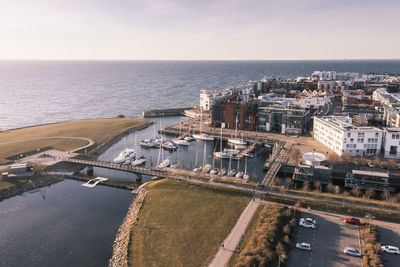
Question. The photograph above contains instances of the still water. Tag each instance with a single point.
(62, 225)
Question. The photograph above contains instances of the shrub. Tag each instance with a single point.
(370, 246)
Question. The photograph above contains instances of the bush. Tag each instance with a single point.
(270, 239)
(370, 246)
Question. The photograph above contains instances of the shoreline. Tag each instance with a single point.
(120, 245)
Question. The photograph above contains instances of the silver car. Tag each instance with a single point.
(352, 252)
(390, 249)
(303, 246)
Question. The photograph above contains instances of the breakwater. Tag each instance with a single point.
(164, 112)
(121, 242)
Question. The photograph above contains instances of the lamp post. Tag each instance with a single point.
(370, 217)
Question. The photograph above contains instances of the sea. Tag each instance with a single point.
(39, 92)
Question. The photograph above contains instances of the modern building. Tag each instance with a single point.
(391, 143)
(343, 137)
(378, 181)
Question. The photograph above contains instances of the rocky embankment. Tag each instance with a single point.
(120, 246)
(35, 183)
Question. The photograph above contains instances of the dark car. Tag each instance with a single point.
(352, 221)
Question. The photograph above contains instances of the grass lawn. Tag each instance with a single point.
(99, 130)
(182, 224)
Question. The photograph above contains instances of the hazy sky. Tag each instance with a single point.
(199, 29)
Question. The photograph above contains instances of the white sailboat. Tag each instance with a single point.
(235, 141)
(202, 136)
(231, 172)
(206, 166)
(139, 161)
(239, 174)
(165, 163)
(126, 156)
(245, 174)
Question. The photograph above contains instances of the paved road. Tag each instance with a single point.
(231, 242)
(389, 234)
(327, 242)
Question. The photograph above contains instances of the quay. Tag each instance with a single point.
(164, 112)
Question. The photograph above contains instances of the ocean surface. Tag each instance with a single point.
(37, 92)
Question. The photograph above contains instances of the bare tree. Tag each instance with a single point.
(306, 186)
(356, 191)
(362, 160)
(318, 187)
(333, 158)
(398, 198)
(377, 161)
(347, 158)
(337, 189)
(369, 193)
(288, 182)
(294, 155)
(392, 164)
(331, 188)
(386, 195)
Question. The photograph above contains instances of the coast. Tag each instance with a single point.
(120, 247)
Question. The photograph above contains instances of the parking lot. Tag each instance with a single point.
(327, 242)
(389, 234)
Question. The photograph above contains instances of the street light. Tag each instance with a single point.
(370, 217)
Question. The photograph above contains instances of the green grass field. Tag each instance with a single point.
(99, 130)
(182, 224)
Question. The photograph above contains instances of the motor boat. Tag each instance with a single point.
(138, 161)
(246, 176)
(181, 142)
(165, 163)
(126, 156)
(170, 146)
(222, 172)
(197, 169)
(203, 137)
(188, 138)
(237, 142)
(147, 143)
(207, 168)
(226, 154)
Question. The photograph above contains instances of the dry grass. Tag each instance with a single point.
(370, 246)
(270, 238)
(182, 224)
(99, 130)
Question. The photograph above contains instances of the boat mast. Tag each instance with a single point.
(204, 155)
(245, 167)
(238, 166)
(220, 145)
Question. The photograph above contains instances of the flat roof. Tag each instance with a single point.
(371, 173)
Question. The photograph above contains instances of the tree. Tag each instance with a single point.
(306, 186)
(337, 189)
(333, 158)
(318, 187)
(392, 164)
(330, 188)
(386, 195)
(377, 161)
(356, 191)
(362, 161)
(347, 158)
(294, 155)
(369, 193)
(288, 182)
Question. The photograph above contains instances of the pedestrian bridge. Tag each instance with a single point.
(119, 167)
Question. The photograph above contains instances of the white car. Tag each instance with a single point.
(309, 220)
(352, 252)
(304, 246)
(306, 224)
(390, 249)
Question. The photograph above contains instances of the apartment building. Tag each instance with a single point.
(391, 143)
(343, 137)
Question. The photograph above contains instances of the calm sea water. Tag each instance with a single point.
(36, 92)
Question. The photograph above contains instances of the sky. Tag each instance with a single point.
(199, 29)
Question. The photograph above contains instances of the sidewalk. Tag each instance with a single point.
(230, 243)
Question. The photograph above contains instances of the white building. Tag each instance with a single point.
(339, 134)
(207, 98)
(391, 143)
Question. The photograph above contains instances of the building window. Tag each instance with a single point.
(348, 134)
(393, 150)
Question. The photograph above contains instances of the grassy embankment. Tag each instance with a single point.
(100, 131)
(183, 224)
(371, 248)
(268, 236)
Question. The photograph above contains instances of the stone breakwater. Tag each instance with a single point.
(120, 246)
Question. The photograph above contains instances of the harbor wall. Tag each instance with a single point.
(164, 112)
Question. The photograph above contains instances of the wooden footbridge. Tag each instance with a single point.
(119, 167)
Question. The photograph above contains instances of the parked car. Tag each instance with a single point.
(352, 221)
(307, 224)
(352, 252)
(303, 246)
(309, 220)
(390, 249)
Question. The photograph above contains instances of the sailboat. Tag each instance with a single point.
(239, 174)
(235, 141)
(231, 172)
(197, 168)
(126, 156)
(213, 169)
(206, 166)
(180, 141)
(202, 136)
(226, 153)
(141, 159)
(246, 175)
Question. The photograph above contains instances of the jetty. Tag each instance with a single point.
(164, 112)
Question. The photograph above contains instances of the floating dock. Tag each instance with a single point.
(93, 182)
(164, 112)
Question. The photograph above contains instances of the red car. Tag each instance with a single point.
(352, 221)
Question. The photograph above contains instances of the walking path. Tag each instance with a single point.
(230, 243)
